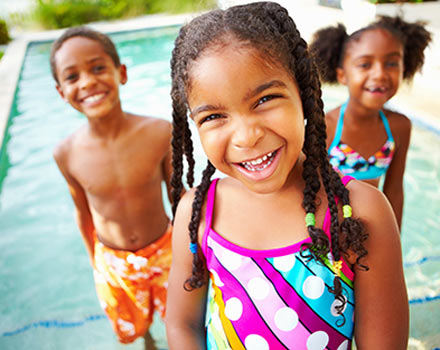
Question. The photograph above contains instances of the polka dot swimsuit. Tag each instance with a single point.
(272, 299)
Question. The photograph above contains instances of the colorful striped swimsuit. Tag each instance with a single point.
(272, 299)
(347, 161)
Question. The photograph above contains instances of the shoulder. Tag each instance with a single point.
(331, 120)
(183, 216)
(372, 207)
(399, 123)
(158, 126)
(332, 116)
(62, 150)
(153, 131)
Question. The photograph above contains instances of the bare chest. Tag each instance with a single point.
(109, 171)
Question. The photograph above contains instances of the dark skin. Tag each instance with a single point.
(115, 165)
(372, 71)
(239, 121)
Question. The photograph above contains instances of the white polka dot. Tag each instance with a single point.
(343, 346)
(335, 303)
(313, 287)
(258, 288)
(233, 309)
(284, 263)
(230, 260)
(317, 341)
(286, 319)
(218, 282)
(256, 342)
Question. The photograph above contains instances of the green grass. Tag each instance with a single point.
(53, 14)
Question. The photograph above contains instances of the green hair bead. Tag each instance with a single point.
(310, 219)
(346, 209)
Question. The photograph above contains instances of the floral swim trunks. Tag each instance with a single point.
(132, 285)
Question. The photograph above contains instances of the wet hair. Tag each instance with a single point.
(266, 27)
(330, 44)
(85, 32)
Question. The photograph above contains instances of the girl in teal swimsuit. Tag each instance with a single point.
(271, 255)
(364, 140)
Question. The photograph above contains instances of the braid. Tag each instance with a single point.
(197, 278)
(177, 164)
(188, 147)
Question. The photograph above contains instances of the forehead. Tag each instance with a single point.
(240, 62)
(77, 50)
(375, 41)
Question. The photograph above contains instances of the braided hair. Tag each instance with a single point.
(267, 27)
(330, 44)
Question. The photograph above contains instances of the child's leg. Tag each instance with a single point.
(149, 341)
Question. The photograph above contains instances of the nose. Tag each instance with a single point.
(86, 80)
(378, 70)
(246, 133)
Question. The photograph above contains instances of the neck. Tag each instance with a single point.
(108, 126)
(357, 113)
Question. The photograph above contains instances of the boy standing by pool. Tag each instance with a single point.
(114, 167)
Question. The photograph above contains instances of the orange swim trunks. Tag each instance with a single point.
(132, 285)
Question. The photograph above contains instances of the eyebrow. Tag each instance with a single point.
(259, 89)
(252, 93)
(90, 61)
(395, 53)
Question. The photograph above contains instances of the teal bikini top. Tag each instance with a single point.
(349, 162)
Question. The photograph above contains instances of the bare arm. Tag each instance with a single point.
(82, 211)
(185, 309)
(382, 310)
(393, 186)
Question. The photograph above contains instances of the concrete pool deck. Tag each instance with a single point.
(420, 100)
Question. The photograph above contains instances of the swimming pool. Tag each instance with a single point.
(48, 297)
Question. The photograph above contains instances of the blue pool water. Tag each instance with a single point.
(47, 293)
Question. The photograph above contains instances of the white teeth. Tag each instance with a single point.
(259, 160)
(250, 165)
(93, 98)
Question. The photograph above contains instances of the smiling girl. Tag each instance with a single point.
(270, 256)
(365, 140)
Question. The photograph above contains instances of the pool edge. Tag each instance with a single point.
(12, 60)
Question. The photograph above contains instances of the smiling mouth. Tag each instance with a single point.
(93, 98)
(261, 163)
(380, 89)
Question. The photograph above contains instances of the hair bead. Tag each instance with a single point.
(310, 219)
(346, 209)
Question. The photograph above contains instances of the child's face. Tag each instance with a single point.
(249, 116)
(88, 78)
(372, 68)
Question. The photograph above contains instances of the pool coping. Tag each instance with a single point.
(12, 61)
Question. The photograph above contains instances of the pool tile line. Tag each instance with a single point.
(55, 324)
(421, 261)
(92, 318)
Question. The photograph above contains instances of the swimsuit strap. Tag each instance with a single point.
(339, 126)
(386, 125)
(210, 199)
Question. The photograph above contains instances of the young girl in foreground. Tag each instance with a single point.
(365, 140)
(287, 262)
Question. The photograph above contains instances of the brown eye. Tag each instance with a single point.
(209, 118)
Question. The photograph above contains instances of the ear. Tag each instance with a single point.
(60, 91)
(340, 75)
(123, 74)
